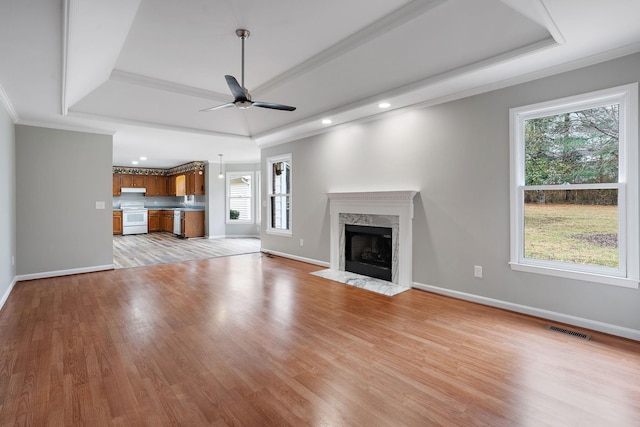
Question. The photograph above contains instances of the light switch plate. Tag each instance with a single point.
(99, 205)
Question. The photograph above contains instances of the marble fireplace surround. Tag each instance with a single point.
(392, 209)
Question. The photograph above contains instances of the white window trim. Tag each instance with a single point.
(627, 275)
(229, 177)
(269, 229)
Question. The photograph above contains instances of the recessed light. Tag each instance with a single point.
(326, 121)
(384, 105)
(143, 158)
(135, 162)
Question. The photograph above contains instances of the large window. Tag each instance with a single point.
(574, 187)
(279, 195)
(240, 197)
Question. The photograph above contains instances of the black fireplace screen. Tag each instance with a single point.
(368, 251)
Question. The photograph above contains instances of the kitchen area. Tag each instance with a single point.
(149, 200)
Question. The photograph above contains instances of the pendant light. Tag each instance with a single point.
(220, 175)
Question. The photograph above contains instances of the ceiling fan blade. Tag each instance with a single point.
(236, 90)
(220, 107)
(273, 106)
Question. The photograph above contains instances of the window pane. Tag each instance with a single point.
(240, 209)
(574, 226)
(240, 186)
(280, 212)
(575, 148)
(281, 177)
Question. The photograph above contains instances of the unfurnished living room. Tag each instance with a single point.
(433, 207)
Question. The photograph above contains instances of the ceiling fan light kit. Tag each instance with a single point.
(242, 97)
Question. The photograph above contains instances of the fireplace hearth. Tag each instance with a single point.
(369, 251)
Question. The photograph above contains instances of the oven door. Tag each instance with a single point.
(134, 221)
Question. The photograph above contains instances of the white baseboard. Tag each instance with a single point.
(595, 325)
(6, 294)
(297, 258)
(57, 273)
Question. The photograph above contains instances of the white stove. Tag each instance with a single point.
(134, 218)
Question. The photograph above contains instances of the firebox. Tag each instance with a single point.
(368, 251)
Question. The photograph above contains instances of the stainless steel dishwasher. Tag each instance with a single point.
(176, 222)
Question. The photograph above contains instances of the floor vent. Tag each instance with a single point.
(569, 332)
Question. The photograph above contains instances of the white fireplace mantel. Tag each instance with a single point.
(395, 203)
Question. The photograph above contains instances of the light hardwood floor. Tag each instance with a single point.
(161, 248)
(252, 340)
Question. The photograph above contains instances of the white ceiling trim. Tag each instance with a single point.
(307, 128)
(398, 17)
(4, 98)
(163, 85)
(153, 125)
(395, 96)
(549, 22)
(67, 127)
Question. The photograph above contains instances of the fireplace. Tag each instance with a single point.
(369, 251)
(391, 210)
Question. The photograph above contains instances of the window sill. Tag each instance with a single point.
(284, 233)
(576, 275)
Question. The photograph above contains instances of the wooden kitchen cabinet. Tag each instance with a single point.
(195, 182)
(154, 221)
(117, 222)
(151, 184)
(138, 181)
(192, 223)
(128, 180)
(116, 185)
(167, 221)
(181, 185)
(190, 187)
(171, 185)
(161, 182)
(199, 182)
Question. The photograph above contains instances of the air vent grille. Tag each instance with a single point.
(569, 332)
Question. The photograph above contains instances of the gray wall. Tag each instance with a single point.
(214, 220)
(60, 175)
(7, 202)
(457, 156)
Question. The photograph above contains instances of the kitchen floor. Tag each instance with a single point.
(136, 250)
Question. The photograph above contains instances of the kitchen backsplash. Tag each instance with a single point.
(159, 202)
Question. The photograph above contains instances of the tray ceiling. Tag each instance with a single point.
(143, 69)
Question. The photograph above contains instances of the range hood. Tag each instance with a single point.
(133, 190)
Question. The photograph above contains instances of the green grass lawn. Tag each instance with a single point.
(582, 234)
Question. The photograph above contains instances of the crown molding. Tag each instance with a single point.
(157, 125)
(4, 99)
(59, 126)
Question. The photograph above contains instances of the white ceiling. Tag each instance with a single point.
(142, 69)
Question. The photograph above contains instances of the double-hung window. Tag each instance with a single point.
(574, 187)
(279, 195)
(240, 197)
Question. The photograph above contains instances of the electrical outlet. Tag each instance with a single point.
(13, 261)
(477, 271)
(301, 242)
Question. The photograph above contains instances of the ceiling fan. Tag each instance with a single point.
(242, 98)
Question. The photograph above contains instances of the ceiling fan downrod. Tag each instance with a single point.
(243, 34)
